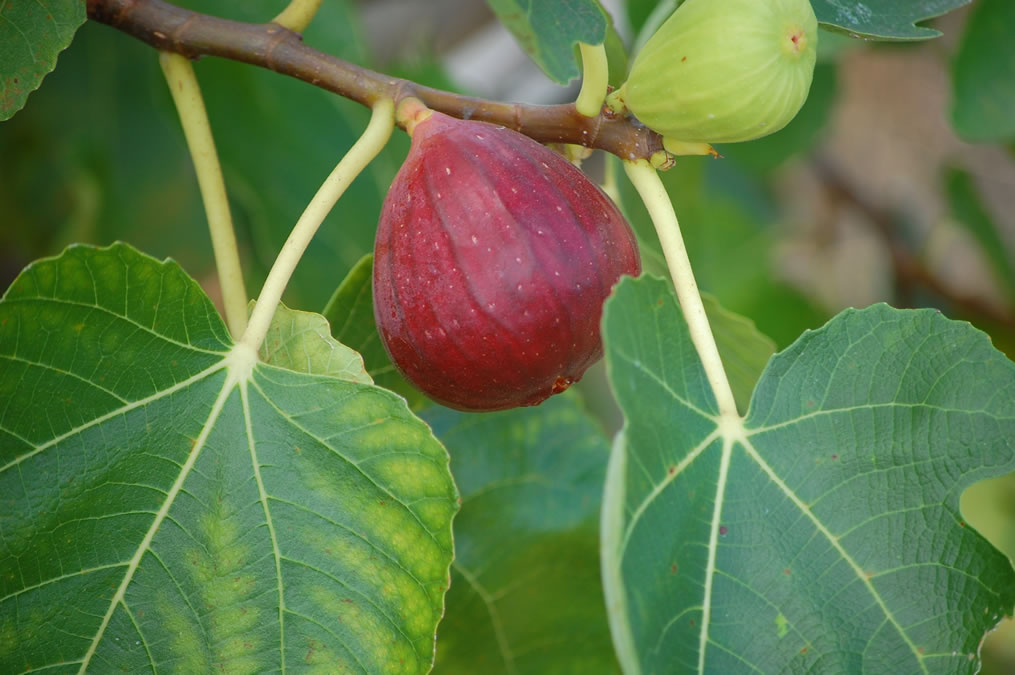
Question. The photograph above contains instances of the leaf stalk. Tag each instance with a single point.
(186, 94)
(595, 79)
(646, 181)
(297, 15)
(373, 140)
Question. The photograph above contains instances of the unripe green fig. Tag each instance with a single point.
(722, 71)
(493, 258)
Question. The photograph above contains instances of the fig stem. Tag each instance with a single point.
(409, 112)
(369, 145)
(189, 103)
(595, 79)
(297, 15)
(646, 181)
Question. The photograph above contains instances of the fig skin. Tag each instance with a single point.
(493, 258)
(724, 71)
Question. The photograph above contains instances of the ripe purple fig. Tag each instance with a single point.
(492, 261)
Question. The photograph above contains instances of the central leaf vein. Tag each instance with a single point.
(263, 496)
(228, 386)
(713, 547)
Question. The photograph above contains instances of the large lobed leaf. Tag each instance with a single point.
(32, 35)
(983, 74)
(167, 509)
(824, 533)
(525, 593)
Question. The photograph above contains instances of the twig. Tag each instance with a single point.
(170, 28)
(909, 270)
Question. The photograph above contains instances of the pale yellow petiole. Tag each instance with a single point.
(187, 96)
(660, 209)
(373, 140)
(297, 14)
(595, 78)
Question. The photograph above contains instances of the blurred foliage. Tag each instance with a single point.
(115, 169)
(970, 213)
(726, 217)
(983, 82)
(118, 167)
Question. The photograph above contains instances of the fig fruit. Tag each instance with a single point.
(493, 258)
(722, 71)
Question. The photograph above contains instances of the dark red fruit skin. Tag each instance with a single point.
(493, 258)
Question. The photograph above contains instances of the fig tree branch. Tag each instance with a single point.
(174, 29)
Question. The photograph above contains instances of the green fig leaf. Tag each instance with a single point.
(893, 20)
(32, 35)
(302, 341)
(983, 74)
(526, 595)
(170, 504)
(823, 533)
(351, 315)
(548, 31)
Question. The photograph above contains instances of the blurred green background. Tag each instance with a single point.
(895, 183)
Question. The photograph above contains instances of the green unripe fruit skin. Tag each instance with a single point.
(722, 71)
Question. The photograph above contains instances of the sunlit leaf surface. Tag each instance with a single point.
(983, 74)
(302, 341)
(170, 506)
